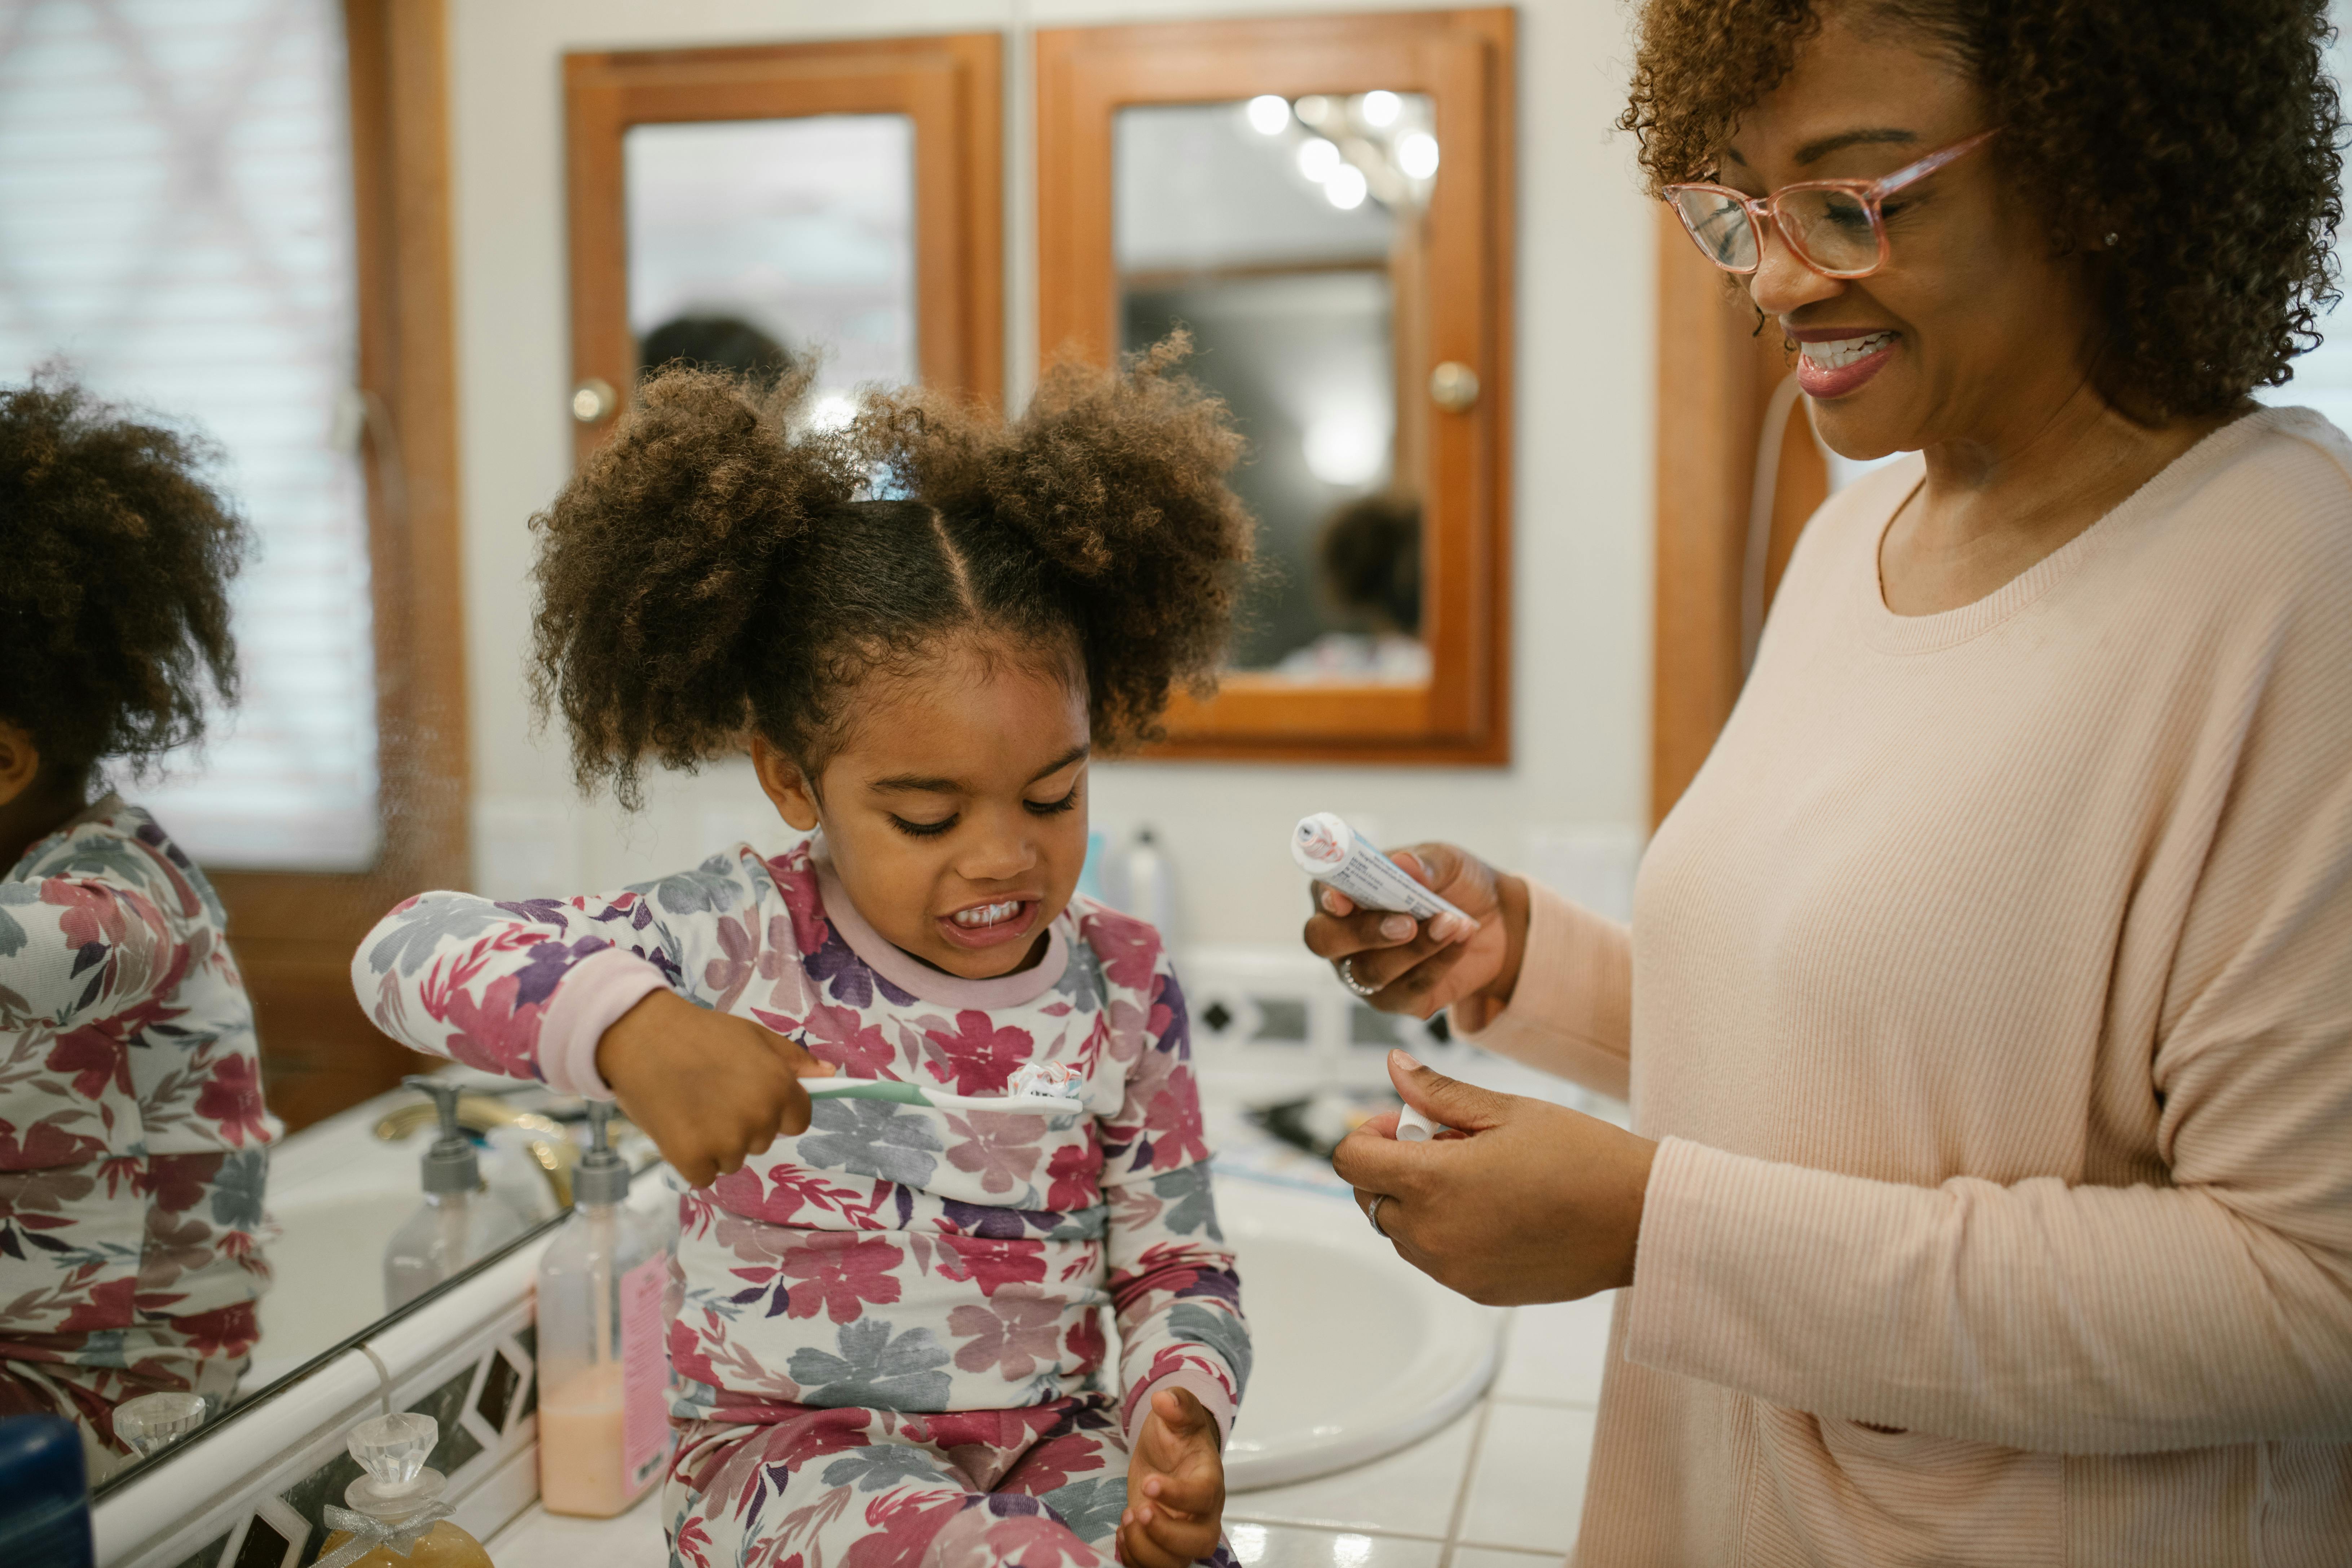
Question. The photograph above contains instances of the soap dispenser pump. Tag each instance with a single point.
(603, 1373)
(461, 1221)
(397, 1517)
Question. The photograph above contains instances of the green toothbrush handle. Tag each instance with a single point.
(866, 1088)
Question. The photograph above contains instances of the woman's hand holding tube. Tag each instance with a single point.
(1421, 967)
(710, 1089)
(1532, 1202)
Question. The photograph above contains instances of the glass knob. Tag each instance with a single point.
(154, 1422)
(393, 1448)
(1454, 387)
(593, 401)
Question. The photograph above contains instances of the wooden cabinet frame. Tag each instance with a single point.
(950, 87)
(1464, 60)
(293, 932)
(1716, 375)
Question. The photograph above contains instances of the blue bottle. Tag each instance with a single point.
(44, 1493)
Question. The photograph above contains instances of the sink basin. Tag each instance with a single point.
(1356, 1352)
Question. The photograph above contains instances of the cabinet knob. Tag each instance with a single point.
(1454, 387)
(593, 401)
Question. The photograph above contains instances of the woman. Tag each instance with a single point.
(1987, 1007)
(133, 1140)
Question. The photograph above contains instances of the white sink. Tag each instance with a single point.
(1355, 1354)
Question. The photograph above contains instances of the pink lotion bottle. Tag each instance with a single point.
(604, 1370)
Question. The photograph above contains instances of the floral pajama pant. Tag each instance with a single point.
(1040, 1487)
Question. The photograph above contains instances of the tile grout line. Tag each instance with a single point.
(1469, 1479)
(1539, 1403)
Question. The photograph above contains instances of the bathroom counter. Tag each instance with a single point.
(538, 1538)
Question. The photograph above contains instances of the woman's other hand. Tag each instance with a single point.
(710, 1089)
(1532, 1203)
(1421, 967)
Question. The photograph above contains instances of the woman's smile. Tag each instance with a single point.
(1836, 361)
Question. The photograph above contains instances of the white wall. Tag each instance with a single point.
(1582, 509)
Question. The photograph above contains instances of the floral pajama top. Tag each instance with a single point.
(133, 1142)
(892, 1256)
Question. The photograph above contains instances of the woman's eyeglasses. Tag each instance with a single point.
(1837, 227)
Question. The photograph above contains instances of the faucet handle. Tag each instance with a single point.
(154, 1422)
(393, 1448)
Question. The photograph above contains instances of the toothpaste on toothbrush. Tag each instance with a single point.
(1330, 851)
(1045, 1081)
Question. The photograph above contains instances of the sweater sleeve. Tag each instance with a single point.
(74, 949)
(2213, 1308)
(527, 989)
(1571, 1013)
(1173, 1283)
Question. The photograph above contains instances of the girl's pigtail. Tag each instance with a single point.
(1117, 479)
(664, 559)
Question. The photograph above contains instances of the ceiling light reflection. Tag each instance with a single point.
(1317, 158)
(1346, 187)
(1416, 154)
(1269, 114)
(1381, 108)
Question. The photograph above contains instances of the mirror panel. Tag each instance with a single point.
(1277, 233)
(1323, 202)
(743, 206)
(774, 240)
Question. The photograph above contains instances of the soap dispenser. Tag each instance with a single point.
(461, 1221)
(604, 1371)
(397, 1517)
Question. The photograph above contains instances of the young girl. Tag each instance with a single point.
(885, 1315)
(133, 1141)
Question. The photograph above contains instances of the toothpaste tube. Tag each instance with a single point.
(1045, 1081)
(1330, 851)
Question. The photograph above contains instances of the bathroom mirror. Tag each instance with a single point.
(1323, 204)
(762, 208)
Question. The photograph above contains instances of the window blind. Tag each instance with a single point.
(175, 228)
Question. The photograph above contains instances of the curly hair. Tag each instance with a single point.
(114, 611)
(2203, 137)
(716, 569)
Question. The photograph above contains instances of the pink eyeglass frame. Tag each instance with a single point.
(1872, 193)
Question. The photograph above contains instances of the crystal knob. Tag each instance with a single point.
(393, 1448)
(1454, 387)
(154, 1422)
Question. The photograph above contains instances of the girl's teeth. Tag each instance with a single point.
(1839, 352)
(987, 914)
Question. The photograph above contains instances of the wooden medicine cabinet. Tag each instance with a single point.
(1324, 203)
(752, 205)
(1740, 474)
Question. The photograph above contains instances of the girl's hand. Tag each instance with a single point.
(710, 1089)
(1175, 1486)
(1525, 1202)
(1422, 969)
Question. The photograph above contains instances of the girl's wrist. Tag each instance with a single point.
(633, 1032)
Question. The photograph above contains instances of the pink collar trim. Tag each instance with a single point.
(909, 974)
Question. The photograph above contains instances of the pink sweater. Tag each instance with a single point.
(1990, 990)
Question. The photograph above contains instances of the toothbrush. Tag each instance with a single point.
(1034, 1084)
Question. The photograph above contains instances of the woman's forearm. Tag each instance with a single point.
(1569, 1006)
(2040, 1315)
